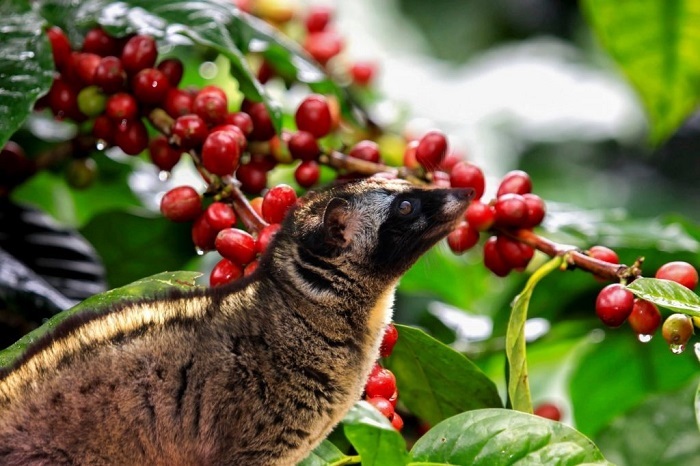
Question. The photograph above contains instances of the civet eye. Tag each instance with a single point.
(405, 207)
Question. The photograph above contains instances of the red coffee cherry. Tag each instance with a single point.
(480, 216)
(139, 52)
(225, 272)
(548, 411)
(122, 106)
(235, 245)
(307, 173)
(173, 69)
(60, 46)
(85, 65)
(211, 107)
(535, 210)
(679, 272)
(220, 215)
(189, 131)
(265, 236)
(604, 254)
(276, 202)
(381, 383)
(318, 18)
(391, 336)
(97, 41)
(240, 119)
(614, 304)
(221, 153)
(431, 150)
(468, 175)
(493, 260)
(323, 45)
(383, 406)
(150, 86)
(63, 100)
(397, 422)
(177, 102)
(110, 75)
(131, 137)
(162, 154)
(263, 129)
(366, 150)
(253, 177)
(514, 253)
(516, 182)
(181, 204)
(104, 128)
(511, 210)
(303, 146)
(362, 73)
(462, 238)
(645, 317)
(677, 330)
(250, 268)
(203, 234)
(314, 115)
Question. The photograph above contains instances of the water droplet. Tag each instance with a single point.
(199, 251)
(677, 349)
(101, 144)
(163, 175)
(644, 338)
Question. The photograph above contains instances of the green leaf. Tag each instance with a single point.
(668, 294)
(377, 442)
(518, 385)
(659, 432)
(435, 381)
(617, 373)
(654, 42)
(326, 454)
(493, 437)
(697, 406)
(26, 64)
(133, 246)
(144, 288)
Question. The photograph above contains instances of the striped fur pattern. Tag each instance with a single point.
(257, 372)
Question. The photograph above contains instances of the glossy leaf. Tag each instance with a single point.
(659, 432)
(617, 373)
(655, 43)
(144, 288)
(668, 294)
(493, 437)
(377, 442)
(26, 64)
(148, 245)
(326, 454)
(518, 384)
(435, 381)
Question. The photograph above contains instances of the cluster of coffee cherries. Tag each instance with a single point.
(380, 390)
(615, 304)
(515, 207)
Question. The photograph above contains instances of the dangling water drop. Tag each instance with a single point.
(163, 175)
(199, 251)
(677, 349)
(644, 338)
(101, 144)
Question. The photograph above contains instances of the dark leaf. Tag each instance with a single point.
(147, 287)
(435, 381)
(26, 64)
(59, 255)
(493, 437)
